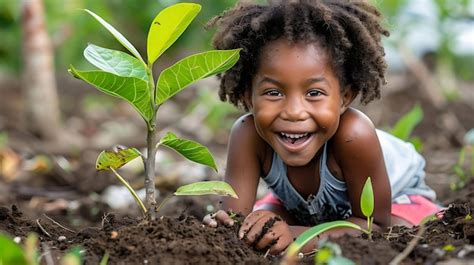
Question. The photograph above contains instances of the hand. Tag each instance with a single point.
(219, 217)
(264, 229)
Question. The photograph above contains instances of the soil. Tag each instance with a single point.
(63, 205)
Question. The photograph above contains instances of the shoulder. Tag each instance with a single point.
(245, 139)
(356, 133)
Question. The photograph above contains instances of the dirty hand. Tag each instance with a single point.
(264, 229)
(219, 217)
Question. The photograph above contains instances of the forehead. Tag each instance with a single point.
(299, 58)
(284, 54)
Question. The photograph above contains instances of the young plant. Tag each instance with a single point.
(405, 125)
(131, 78)
(331, 254)
(460, 169)
(367, 207)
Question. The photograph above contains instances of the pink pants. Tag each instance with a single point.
(411, 208)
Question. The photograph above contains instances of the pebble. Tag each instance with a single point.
(61, 238)
(17, 239)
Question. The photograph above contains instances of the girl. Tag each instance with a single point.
(302, 64)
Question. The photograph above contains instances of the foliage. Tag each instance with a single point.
(314, 231)
(331, 254)
(131, 79)
(12, 253)
(464, 168)
(406, 124)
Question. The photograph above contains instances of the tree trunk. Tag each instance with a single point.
(39, 84)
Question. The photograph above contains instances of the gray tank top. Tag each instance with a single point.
(405, 168)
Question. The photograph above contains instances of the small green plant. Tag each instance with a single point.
(131, 78)
(463, 170)
(405, 125)
(367, 207)
(330, 254)
(11, 253)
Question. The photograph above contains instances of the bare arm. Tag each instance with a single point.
(243, 165)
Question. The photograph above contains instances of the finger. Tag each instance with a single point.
(249, 221)
(223, 217)
(281, 244)
(209, 221)
(267, 240)
(256, 231)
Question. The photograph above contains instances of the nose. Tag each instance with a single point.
(295, 109)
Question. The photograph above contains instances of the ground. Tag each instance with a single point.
(54, 191)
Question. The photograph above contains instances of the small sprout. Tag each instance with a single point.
(449, 248)
(367, 204)
(468, 217)
(311, 233)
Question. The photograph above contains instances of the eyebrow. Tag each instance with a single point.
(307, 82)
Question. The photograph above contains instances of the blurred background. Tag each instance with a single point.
(52, 126)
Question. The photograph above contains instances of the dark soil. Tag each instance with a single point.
(184, 240)
(168, 240)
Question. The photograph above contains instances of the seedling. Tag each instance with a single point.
(331, 254)
(367, 207)
(460, 168)
(405, 125)
(131, 78)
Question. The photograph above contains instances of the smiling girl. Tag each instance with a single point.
(302, 64)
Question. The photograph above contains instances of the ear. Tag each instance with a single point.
(347, 97)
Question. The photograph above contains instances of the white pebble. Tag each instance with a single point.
(17, 239)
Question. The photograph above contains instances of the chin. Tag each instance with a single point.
(295, 161)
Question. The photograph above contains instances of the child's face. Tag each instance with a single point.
(296, 100)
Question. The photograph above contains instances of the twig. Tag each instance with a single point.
(410, 247)
(42, 229)
(58, 224)
(47, 254)
(266, 253)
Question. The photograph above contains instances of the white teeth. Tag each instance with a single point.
(293, 136)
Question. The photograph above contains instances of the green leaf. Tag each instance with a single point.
(193, 68)
(309, 234)
(120, 38)
(105, 259)
(10, 252)
(367, 199)
(115, 62)
(116, 158)
(131, 89)
(72, 257)
(191, 150)
(404, 127)
(167, 26)
(207, 187)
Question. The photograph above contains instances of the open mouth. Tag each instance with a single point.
(293, 138)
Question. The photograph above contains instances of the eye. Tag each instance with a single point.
(272, 93)
(314, 93)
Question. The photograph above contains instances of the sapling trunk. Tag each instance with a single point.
(150, 172)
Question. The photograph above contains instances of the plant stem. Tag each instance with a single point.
(150, 173)
(132, 191)
(369, 227)
(166, 199)
(151, 149)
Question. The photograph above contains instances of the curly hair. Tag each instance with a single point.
(349, 30)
